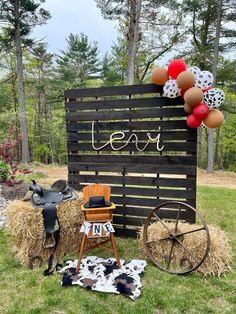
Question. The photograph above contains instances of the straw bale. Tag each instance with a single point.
(25, 225)
(218, 259)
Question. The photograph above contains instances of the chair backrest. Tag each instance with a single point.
(97, 190)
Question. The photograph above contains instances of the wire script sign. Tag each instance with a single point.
(136, 141)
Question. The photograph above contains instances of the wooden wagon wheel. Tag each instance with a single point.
(170, 252)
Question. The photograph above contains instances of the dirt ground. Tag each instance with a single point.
(216, 179)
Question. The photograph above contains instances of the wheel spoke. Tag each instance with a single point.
(191, 231)
(159, 219)
(162, 239)
(177, 219)
(170, 256)
(187, 250)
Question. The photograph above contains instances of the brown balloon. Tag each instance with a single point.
(185, 80)
(193, 96)
(159, 76)
(188, 108)
(214, 119)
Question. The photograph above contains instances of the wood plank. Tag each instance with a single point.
(154, 192)
(142, 136)
(147, 202)
(183, 161)
(144, 212)
(113, 90)
(132, 211)
(162, 213)
(134, 168)
(122, 232)
(125, 114)
(129, 125)
(131, 221)
(152, 147)
(72, 106)
(134, 180)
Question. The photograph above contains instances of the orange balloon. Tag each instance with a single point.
(193, 96)
(159, 76)
(185, 80)
(214, 119)
(188, 108)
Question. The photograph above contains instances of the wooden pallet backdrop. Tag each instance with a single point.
(140, 180)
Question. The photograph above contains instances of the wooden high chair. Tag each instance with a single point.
(97, 215)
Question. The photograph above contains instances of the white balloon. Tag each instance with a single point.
(204, 80)
(214, 97)
(171, 89)
(195, 70)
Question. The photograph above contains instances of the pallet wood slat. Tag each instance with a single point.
(80, 180)
(146, 202)
(184, 161)
(72, 106)
(125, 114)
(112, 91)
(134, 221)
(139, 181)
(133, 181)
(152, 147)
(128, 125)
(173, 166)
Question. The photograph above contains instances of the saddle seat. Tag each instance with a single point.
(60, 190)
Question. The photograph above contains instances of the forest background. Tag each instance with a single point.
(33, 80)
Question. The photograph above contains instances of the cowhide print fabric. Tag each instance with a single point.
(103, 275)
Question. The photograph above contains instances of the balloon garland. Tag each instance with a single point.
(195, 86)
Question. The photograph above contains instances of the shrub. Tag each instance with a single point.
(4, 171)
(8, 156)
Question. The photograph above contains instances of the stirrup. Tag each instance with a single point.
(48, 245)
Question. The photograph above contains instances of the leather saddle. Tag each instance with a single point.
(47, 199)
(60, 191)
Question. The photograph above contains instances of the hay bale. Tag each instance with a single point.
(218, 259)
(25, 224)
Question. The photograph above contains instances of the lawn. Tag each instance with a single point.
(24, 291)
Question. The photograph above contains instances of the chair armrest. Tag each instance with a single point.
(83, 209)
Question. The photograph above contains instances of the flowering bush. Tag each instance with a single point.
(9, 157)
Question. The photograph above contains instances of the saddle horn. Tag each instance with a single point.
(36, 188)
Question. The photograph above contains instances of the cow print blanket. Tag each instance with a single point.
(103, 275)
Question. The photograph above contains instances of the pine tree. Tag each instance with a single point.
(79, 61)
(18, 18)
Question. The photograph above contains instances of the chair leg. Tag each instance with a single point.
(115, 249)
(81, 252)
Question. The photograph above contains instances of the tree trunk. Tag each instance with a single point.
(133, 37)
(214, 69)
(21, 88)
(217, 146)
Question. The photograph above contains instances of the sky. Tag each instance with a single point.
(75, 16)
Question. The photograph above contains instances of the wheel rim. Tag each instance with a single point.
(176, 257)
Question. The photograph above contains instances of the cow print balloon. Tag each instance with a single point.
(195, 70)
(171, 89)
(214, 97)
(204, 80)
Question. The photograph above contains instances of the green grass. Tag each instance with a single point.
(24, 291)
(35, 175)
